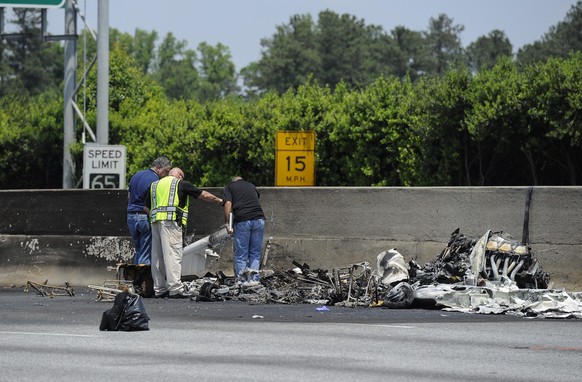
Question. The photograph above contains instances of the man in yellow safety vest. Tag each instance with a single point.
(169, 201)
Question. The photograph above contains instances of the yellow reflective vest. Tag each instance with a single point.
(166, 202)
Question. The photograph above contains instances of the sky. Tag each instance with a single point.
(241, 24)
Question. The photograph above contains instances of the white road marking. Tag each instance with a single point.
(51, 334)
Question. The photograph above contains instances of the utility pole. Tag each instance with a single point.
(69, 94)
(70, 73)
(103, 73)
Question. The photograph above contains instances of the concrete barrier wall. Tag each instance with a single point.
(79, 236)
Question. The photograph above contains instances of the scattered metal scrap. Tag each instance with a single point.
(112, 288)
(494, 274)
(355, 285)
(495, 256)
(46, 290)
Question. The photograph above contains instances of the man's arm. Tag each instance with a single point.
(187, 188)
(148, 201)
(208, 197)
(227, 211)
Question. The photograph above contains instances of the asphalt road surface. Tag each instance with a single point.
(58, 339)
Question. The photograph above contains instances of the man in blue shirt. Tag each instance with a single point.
(138, 220)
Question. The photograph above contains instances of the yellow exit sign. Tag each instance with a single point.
(295, 158)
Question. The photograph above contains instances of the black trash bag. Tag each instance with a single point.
(127, 314)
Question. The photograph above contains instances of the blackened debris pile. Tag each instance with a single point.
(493, 274)
(495, 256)
(348, 286)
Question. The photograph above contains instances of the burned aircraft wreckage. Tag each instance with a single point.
(493, 274)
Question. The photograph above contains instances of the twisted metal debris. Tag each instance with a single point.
(494, 274)
(349, 286)
(495, 256)
(469, 275)
(47, 290)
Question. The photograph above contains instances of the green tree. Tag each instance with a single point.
(409, 55)
(444, 42)
(559, 41)
(141, 46)
(37, 66)
(129, 91)
(438, 124)
(31, 141)
(486, 50)
(157, 126)
(338, 48)
(287, 59)
(7, 75)
(224, 129)
(126, 81)
(553, 101)
(344, 45)
(144, 49)
(218, 77)
(175, 68)
(368, 141)
(498, 128)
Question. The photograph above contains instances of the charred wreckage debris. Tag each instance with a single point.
(494, 274)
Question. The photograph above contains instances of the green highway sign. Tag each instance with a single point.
(33, 3)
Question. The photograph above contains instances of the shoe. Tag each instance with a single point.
(179, 295)
(163, 295)
(250, 283)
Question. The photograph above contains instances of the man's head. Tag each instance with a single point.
(176, 172)
(161, 166)
(235, 178)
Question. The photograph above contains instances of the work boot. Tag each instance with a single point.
(162, 295)
(251, 283)
(179, 295)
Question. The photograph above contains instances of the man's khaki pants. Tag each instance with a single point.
(167, 257)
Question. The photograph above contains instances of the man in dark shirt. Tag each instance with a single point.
(248, 224)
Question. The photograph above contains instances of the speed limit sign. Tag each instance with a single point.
(103, 166)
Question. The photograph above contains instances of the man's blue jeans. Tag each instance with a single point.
(248, 243)
(141, 234)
